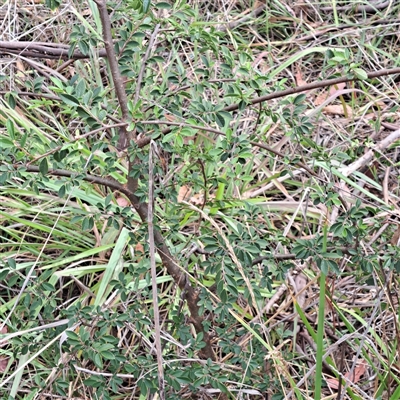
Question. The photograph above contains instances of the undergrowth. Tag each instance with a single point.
(199, 200)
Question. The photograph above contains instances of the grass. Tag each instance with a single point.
(77, 307)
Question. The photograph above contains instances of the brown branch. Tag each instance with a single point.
(314, 85)
(123, 140)
(32, 94)
(110, 183)
(157, 325)
(80, 137)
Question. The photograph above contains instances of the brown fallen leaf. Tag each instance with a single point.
(4, 360)
(395, 238)
(184, 193)
(3, 331)
(354, 377)
(4, 363)
(299, 77)
(139, 248)
(332, 90)
(337, 110)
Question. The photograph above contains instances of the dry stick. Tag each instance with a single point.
(42, 50)
(253, 14)
(123, 140)
(373, 7)
(314, 85)
(367, 157)
(150, 225)
(143, 66)
(328, 29)
(31, 94)
(133, 162)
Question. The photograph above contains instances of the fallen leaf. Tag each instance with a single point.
(354, 377)
(301, 282)
(299, 77)
(3, 331)
(332, 90)
(4, 363)
(170, 117)
(395, 238)
(139, 248)
(184, 193)
(20, 70)
(337, 110)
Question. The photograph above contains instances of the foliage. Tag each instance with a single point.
(240, 211)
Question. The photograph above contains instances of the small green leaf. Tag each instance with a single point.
(72, 335)
(187, 132)
(44, 166)
(146, 5)
(167, 138)
(80, 88)
(108, 200)
(11, 100)
(48, 287)
(11, 262)
(61, 191)
(179, 140)
(98, 361)
(57, 82)
(108, 355)
(164, 6)
(23, 139)
(83, 47)
(3, 274)
(156, 59)
(332, 255)
(77, 218)
(87, 223)
(138, 35)
(360, 74)
(323, 265)
(69, 99)
(10, 128)
(299, 99)
(53, 4)
(223, 118)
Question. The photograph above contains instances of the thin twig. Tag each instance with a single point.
(150, 226)
(42, 50)
(143, 62)
(373, 6)
(233, 24)
(80, 137)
